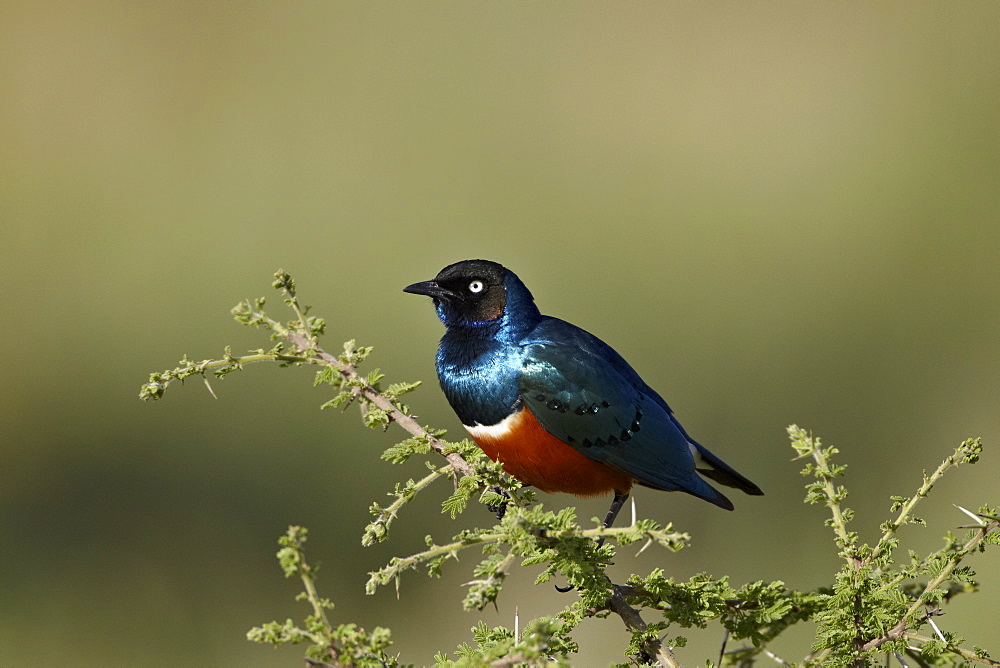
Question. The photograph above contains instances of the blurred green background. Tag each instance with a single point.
(778, 212)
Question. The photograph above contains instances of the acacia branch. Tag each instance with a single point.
(303, 335)
(833, 498)
(964, 653)
(652, 646)
(397, 565)
(899, 630)
(305, 345)
(512, 660)
(960, 456)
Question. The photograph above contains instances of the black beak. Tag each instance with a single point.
(429, 288)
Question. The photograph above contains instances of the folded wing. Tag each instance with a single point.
(585, 394)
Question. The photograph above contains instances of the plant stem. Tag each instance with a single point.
(633, 621)
(387, 514)
(904, 513)
(302, 342)
(313, 595)
(899, 630)
(399, 564)
(832, 501)
(964, 653)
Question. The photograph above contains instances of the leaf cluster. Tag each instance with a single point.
(340, 645)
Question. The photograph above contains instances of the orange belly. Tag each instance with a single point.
(536, 457)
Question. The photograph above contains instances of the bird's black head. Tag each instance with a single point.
(479, 293)
(469, 293)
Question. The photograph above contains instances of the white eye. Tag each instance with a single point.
(476, 286)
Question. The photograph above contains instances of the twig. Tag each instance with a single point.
(617, 603)
(313, 663)
(833, 498)
(397, 565)
(304, 345)
(512, 660)
(957, 458)
(386, 515)
(899, 630)
(964, 653)
(633, 621)
(777, 659)
(725, 639)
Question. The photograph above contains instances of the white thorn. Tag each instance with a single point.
(517, 624)
(633, 511)
(937, 630)
(772, 655)
(649, 542)
(979, 520)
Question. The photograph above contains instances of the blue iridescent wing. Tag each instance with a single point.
(585, 394)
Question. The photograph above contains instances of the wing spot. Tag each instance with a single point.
(557, 405)
(612, 440)
(625, 435)
(605, 404)
(600, 443)
(635, 423)
(587, 443)
(540, 397)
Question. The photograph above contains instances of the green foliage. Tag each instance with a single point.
(344, 644)
(876, 603)
(545, 642)
(467, 487)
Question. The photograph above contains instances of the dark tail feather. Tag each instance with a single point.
(721, 501)
(697, 487)
(723, 473)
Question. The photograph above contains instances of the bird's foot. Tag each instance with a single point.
(499, 509)
(603, 564)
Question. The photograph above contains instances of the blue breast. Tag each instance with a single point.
(479, 364)
(479, 376)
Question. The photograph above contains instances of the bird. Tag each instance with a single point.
(560, 409)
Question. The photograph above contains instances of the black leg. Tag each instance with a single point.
(616, 506)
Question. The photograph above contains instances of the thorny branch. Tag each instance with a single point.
(964, 653)
(653, 648)
(301, 335)
(305, 345)
(899, 630)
